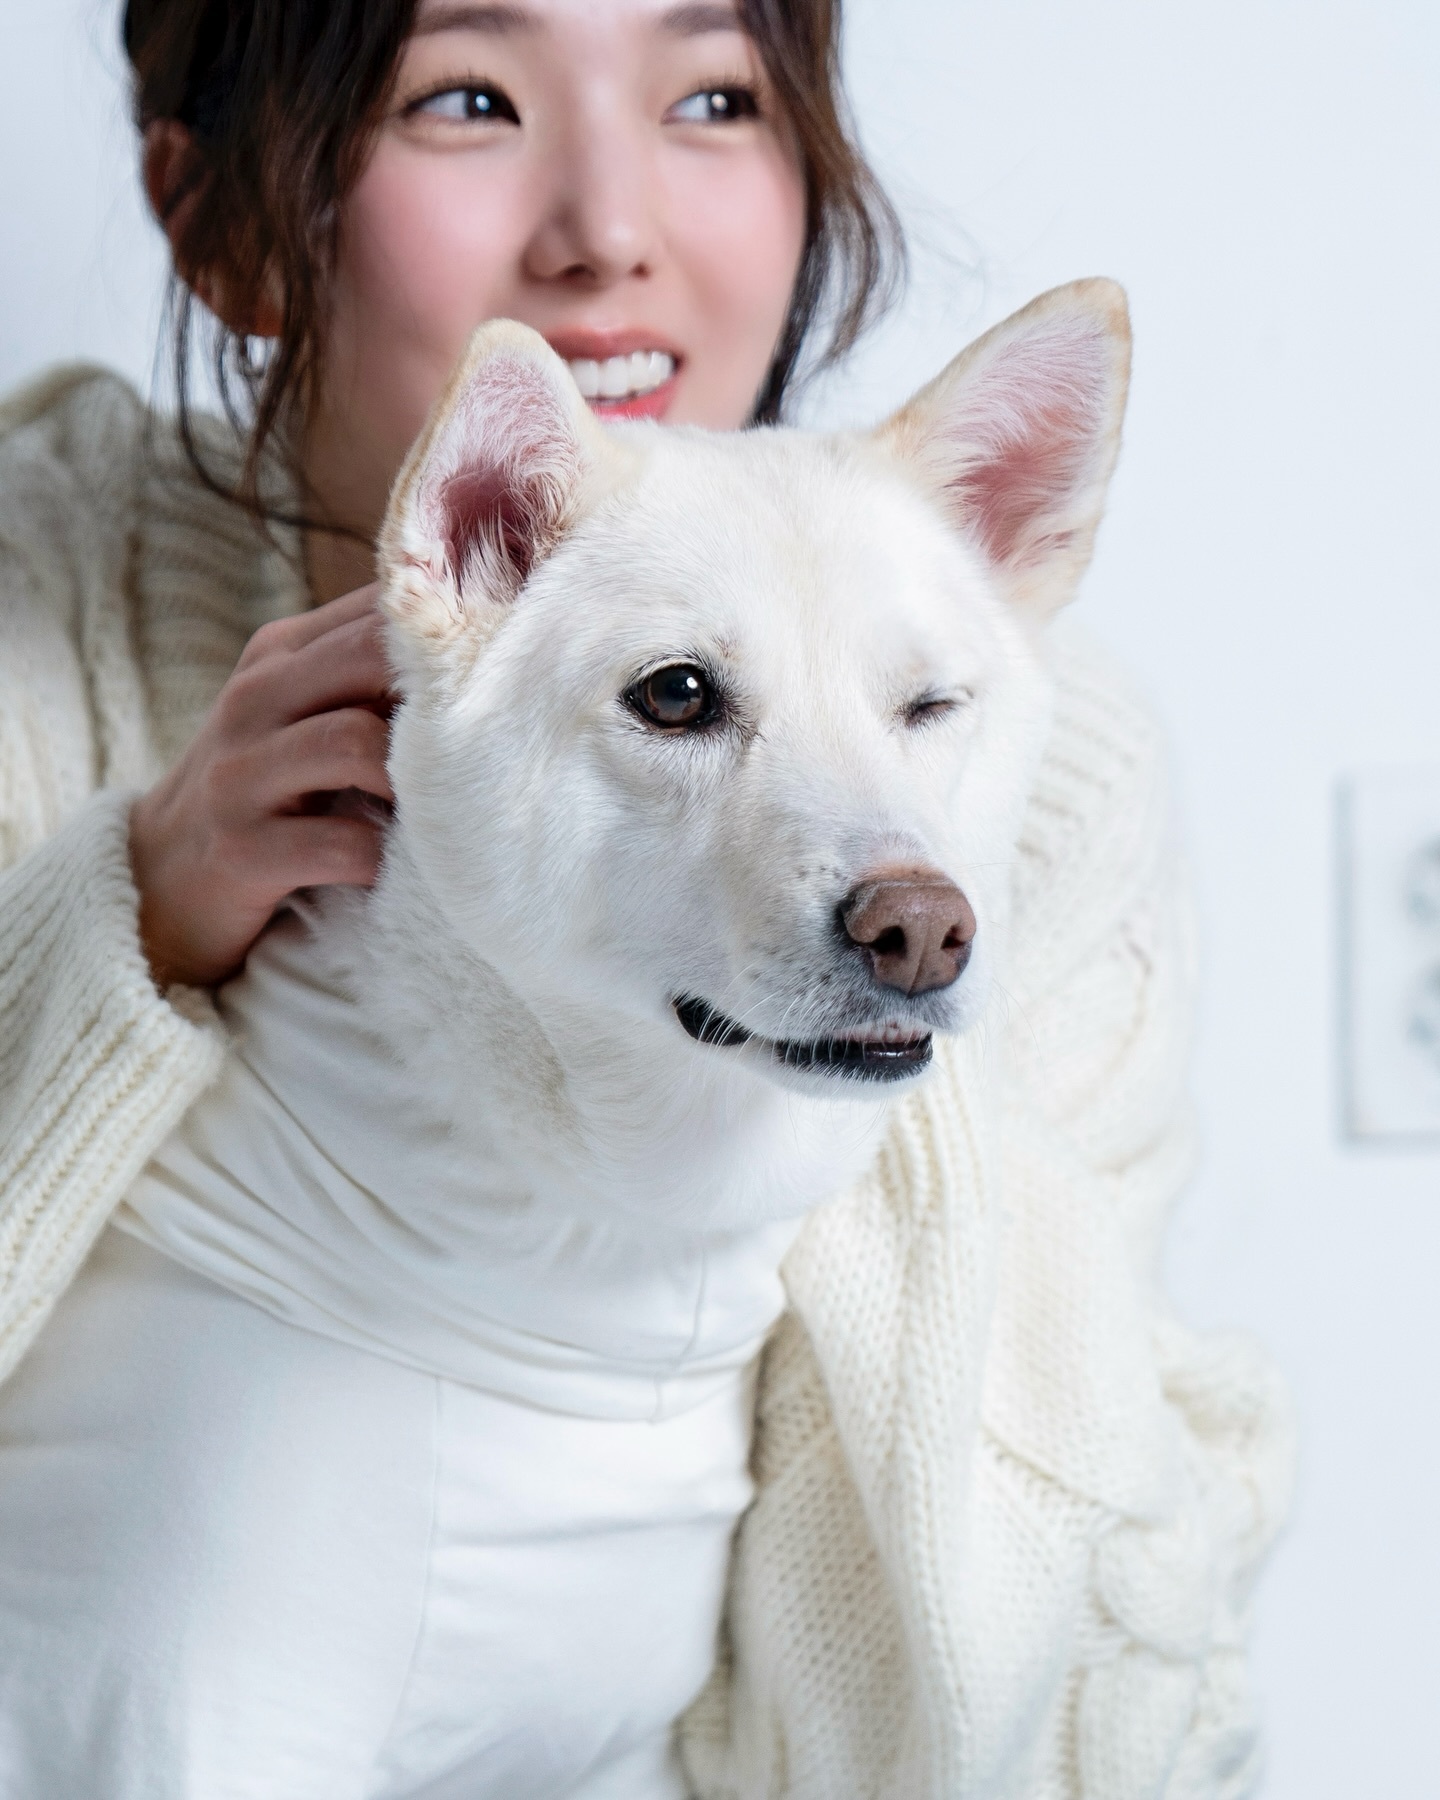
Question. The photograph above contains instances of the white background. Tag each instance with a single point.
(1263, 177)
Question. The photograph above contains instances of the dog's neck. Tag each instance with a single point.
(607, 1112)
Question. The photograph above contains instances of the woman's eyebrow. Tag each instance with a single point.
(496, 19)
(696, 17)
(693, 18)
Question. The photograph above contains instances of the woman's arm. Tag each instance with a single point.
(95, 1066)
(97, 1063)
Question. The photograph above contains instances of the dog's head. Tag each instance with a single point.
(732, 732)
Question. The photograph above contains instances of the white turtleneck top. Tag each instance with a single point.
(316, 1179)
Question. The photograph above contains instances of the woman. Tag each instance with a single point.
(1007, 1510)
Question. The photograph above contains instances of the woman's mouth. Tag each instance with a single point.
(639, 385)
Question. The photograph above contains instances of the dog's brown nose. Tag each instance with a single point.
(914, 926)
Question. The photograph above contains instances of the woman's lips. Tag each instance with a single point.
(653, 405)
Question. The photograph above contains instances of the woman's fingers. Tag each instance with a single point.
(323, 852)
(321, 754)
(347, 666)
(220, 840)
(203, 902)
(300, 629)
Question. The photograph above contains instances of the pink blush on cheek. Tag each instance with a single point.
(425, 257)
(736, 235)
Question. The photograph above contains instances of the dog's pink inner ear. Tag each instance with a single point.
(490, 509)
(502, 478)
(1025, 438)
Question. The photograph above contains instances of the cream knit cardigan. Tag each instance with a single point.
(1009, 1510)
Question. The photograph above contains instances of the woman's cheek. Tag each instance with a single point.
(738, 234)
(423, 259)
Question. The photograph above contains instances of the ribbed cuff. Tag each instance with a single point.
(96, 1066)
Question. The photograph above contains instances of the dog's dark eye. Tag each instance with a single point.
(678, 696)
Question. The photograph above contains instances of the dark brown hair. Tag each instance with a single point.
(282, 97)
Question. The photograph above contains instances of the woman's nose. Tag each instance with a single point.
(599, 222)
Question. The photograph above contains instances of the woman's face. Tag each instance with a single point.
(610, 172)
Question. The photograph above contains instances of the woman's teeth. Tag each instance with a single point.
(622, 377)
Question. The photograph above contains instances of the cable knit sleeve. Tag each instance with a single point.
(95, 1065)
(1181, 1440)
(1008, 1509)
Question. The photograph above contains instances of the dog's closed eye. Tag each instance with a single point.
(677, 697)
(927, 709)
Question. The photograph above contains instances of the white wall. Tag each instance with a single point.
(1263, 177)
(81, 269)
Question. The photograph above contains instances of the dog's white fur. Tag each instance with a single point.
(559, 873)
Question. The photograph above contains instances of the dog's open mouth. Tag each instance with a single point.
(885, 1055)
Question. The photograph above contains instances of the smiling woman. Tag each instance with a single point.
(1000, 1511)
(669, 193)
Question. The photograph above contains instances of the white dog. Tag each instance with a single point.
(709, 770)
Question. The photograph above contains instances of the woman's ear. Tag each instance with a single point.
(1018, 437)
(173, 168)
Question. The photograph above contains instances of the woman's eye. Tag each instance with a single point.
(678, 696)
(466, 104)
(715, 106)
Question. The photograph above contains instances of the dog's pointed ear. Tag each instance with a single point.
(1018, 437)
(488, 490)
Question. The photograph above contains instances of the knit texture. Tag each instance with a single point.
(1009, 1510)
(127, 592)
(95, 1067)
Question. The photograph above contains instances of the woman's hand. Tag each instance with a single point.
(233, 828)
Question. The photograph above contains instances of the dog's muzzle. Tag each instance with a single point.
(912, 930)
